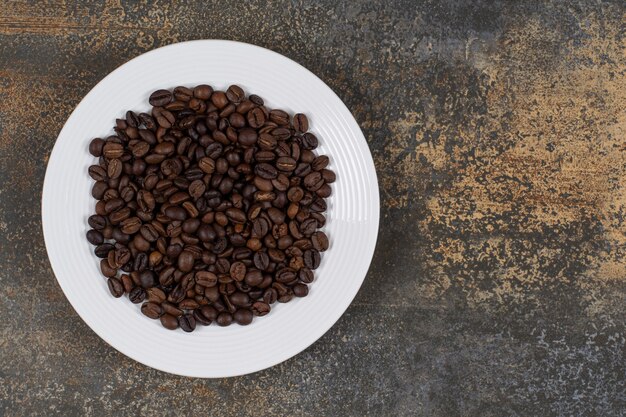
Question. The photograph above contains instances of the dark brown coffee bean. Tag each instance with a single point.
(137, 295)
(300, 123)
(319, 241)
(183, 93)
(247, 137)
(286, 163)
(236, 215)
(131, 225)
(185, 261)
(209, 312)
(309, 141)
(160, 98)
(106, 269)
(187, 323)
(115, 287)
(238, 271)
(300, 290)
(306, 275)
(95, 147)
(224, 319)
(281, 134)
(103, 250)
(270, 296)
(266, 171)
(312, 259)
(313, 181)
(320, 163)
(219, 99)
(98, 173)
(152, 310)
(127, 283)
(240, 299)
(206, 278)
(203, 92)
(176, 213)
(95, 237)
(200, 319)
(114, 169)
(171, 309)
(97, 222)
(256, 118)
(279, 117)
(285, 275)
(235, 93)
(243, 316)
(114, 204)
(113, 150)
(260, 308)
(147, 279)
(169, 322)
(267, 142)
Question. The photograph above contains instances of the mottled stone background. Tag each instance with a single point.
(498, 287)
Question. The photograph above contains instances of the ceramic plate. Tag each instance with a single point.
(212, 351)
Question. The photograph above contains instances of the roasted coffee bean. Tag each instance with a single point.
(311, 258)
(97, 173)
(103, 250)
(160, 98)
(240, 299)
(169, 322)
(286, 163)
(187, 322)
(300, 123)
(261, 261)
(224, 319)
(97, 222)
(171, 309)
(256, 117)
(106, 269)
(243, 316)
(279, 117)
(147, 279)
(209, 312)
(185, 261)
(206, 278)
(319, 241)
(309, 141)
(114, 168)
(127, 282)
(320, 163)
(137, 295)
(313, 181)
(300, 290)
(152, 310)
(95, 147)
(95, 237)
(235, 93)
(112, 150)
(115, 287)
(266, 171)
(131, 225)
(306, 275)
(155, 259)
(196, 189)
(260, 308)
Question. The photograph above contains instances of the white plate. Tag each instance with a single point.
(352, 215)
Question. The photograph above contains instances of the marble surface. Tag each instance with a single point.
(498, 287)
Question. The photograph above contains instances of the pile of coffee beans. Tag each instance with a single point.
(208, 207)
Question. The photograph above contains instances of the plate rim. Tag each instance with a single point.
(375, 197)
